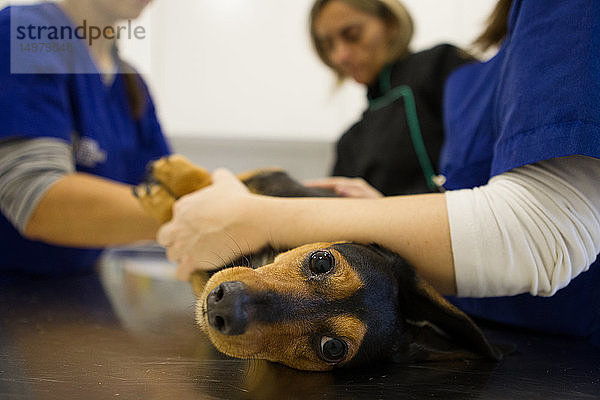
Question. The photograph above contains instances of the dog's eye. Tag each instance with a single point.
(333, 349)
(321, 262)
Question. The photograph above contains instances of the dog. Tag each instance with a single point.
(319, 306)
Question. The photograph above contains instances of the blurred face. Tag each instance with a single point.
(355, 43)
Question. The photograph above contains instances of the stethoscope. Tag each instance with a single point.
(434, 182)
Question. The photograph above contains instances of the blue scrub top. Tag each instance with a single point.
(538, 98)
(81, 110)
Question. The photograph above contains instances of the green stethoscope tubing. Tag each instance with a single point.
(403, 91)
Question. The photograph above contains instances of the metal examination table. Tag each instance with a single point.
(128, 332)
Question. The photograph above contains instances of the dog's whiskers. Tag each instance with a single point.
(211, 263)
(217, 266)
(238, 250)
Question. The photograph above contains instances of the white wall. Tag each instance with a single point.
(245, 68)
(240, 68)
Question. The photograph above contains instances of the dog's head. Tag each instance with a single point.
(329, 305)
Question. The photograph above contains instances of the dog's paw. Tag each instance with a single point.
(179, 176)
(156, 200)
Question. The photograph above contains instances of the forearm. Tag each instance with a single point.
(82, 210)
(416, 227)
(214, 226)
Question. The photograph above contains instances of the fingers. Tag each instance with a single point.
(350, 191)
(164, 236)
(185, 269)
(184, 272)
(174, 249)
(225, 178)
(223, 175)
(346, 187)
(197, 237)
(167, 235)
(203, 258)
(324, 183)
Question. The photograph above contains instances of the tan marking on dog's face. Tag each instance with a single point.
(295, 340)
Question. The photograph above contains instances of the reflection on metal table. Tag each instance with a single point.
(128, 332)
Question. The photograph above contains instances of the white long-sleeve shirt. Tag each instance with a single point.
(532, 229)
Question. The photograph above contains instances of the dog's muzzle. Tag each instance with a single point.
(226, 307)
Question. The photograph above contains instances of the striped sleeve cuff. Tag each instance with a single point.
(28, 168)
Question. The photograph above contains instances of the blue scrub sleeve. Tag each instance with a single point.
(548, 101)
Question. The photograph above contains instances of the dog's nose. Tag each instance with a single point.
(226, 308)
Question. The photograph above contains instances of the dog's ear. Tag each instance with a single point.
(434, 329)
(431, 327)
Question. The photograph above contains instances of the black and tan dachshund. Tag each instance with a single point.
(319, 306)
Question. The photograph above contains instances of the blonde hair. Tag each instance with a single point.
(496, 28)
(391, 12)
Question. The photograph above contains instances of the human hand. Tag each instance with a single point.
(346, 187)
(211, 227)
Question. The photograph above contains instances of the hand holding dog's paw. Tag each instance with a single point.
(168, 179)
(179, 175)
(210, 227)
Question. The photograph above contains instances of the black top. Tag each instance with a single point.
(379, 148)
